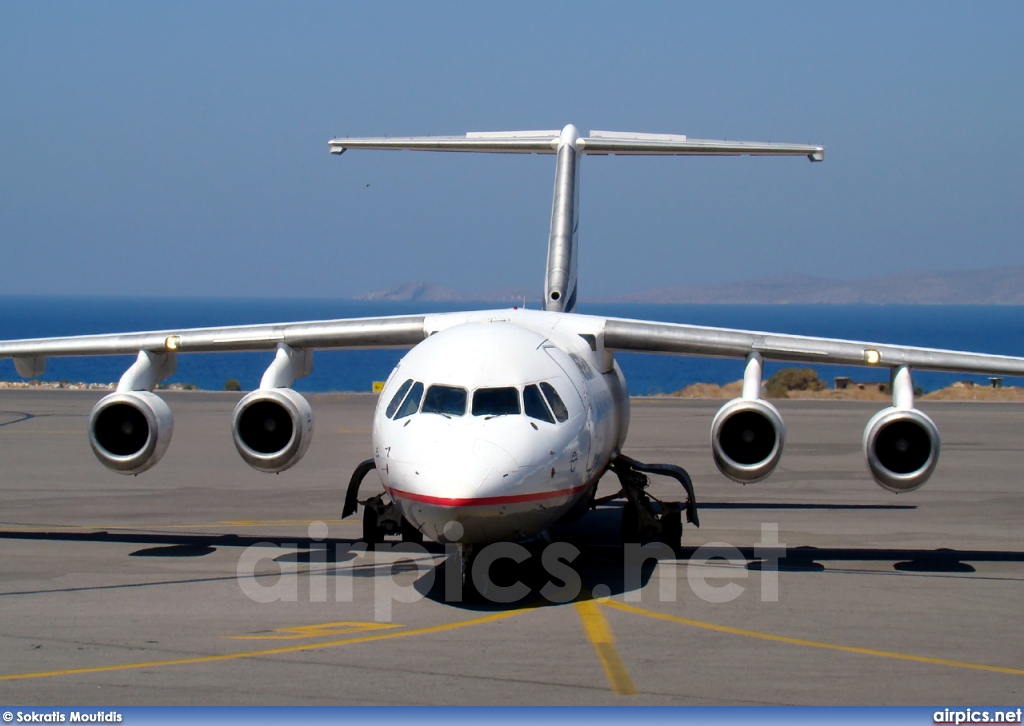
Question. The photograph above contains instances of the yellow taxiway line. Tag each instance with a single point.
(345, 627)
(269, 651)
(810, 643)
(599, 633)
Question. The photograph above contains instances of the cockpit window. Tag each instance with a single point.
(534, 404)
(496, 402)
(397, 400)
(445, 400)
(412, 402)
(557, 406)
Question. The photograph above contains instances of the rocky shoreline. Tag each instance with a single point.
(962, 391)
(79, 386)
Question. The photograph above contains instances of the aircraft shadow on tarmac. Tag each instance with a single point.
(599, 565)
(803, 506)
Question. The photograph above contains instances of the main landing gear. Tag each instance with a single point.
(646, 518)
(380, 517)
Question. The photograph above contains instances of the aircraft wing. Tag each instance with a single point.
(620, 334)
(385, 332)
(650, 337)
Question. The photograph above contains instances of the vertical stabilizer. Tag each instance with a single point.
(560, 280)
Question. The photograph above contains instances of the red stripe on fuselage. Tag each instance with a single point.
(486, 501)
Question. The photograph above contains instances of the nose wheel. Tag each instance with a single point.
(645, 518)
(380, 516)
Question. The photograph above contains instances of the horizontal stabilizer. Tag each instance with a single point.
(511, 142)
(614, 142)
(599, 142)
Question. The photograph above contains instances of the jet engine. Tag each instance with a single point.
(747, 436)
(272, 428)
(902, 448)
(130, 430)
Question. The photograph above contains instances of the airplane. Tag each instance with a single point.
(498, 424)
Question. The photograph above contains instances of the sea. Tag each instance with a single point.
(986, 329)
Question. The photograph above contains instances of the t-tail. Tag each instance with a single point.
(560, 289)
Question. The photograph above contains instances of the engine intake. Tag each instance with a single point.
(747, 436)
(272, 428)
(130, 431)
(902, 448)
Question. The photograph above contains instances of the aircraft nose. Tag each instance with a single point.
(442, 487)
(455, 475)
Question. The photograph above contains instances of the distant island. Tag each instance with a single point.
(1001, 286)
(425, 292)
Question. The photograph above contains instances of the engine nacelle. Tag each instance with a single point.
(272, 428)
(130, 431)
(902, 448)
(747, 436)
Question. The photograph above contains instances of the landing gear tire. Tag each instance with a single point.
(372, 532)
(666, 527)
(466, 558)
(410, 533)
(630, 523)
(672, 526)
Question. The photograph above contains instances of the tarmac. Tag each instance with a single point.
(205, 582)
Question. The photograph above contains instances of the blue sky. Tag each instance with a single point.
(181, 148)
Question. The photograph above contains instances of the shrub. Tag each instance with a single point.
(793, 379)
(232, 384)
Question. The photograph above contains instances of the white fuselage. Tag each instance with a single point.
(502, 422)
